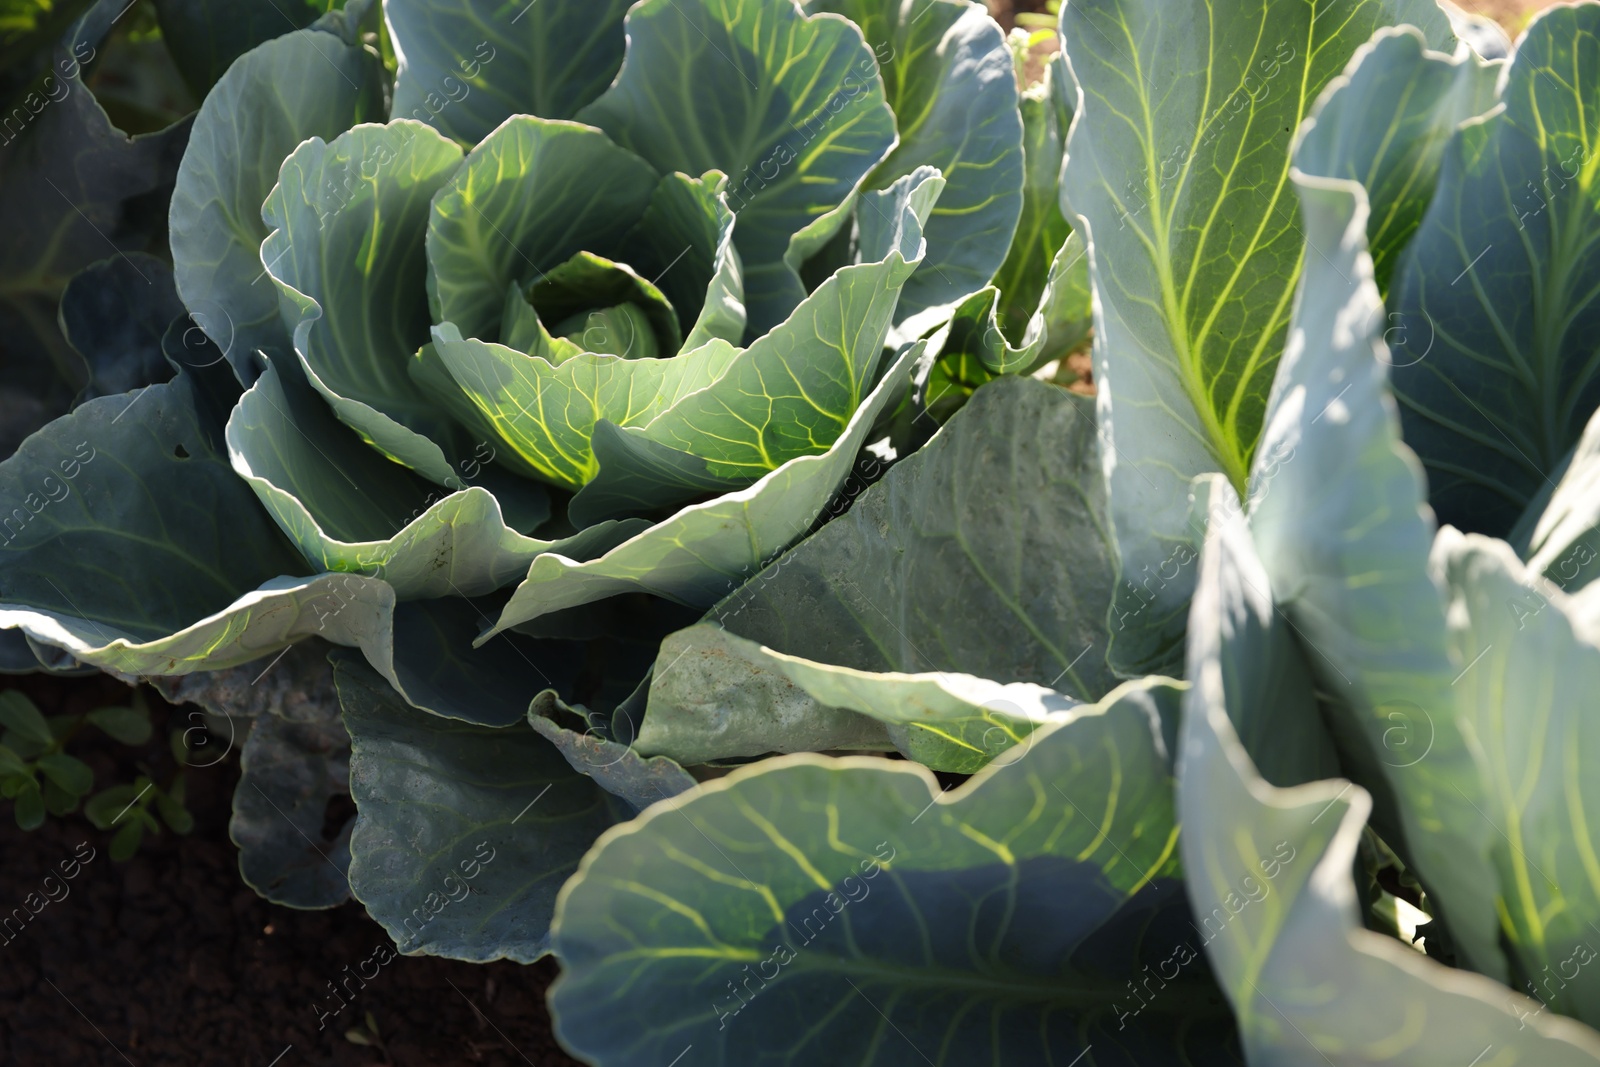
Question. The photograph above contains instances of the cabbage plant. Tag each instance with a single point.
(625, 448)
(497, 359)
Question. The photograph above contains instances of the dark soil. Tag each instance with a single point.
(170, 959)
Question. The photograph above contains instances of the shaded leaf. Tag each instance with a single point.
(851, 910)
(347, 220)
(465, 832)
(20, 714)
(1269, 873)
(114, 314)
(69, 773)
(1502, 277)
(289, 768)
(206, 36)
(128, 725)
(74, 189)
(468, 65)
(614, 765)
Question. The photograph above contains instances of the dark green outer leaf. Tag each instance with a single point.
(295, 759)
(614, 765)
(304, 84)
(115, 313)
(433, 664)
(132, 548)
(1178, 170)
(465, 832)
(1504, 275)
(205, 36)
(857, 915)
(468, 65)
(74, 189)
(139, 521)
(984, 553)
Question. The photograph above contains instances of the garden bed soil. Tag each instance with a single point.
(170, 960)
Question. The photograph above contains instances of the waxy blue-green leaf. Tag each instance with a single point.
(1503, 278)
(721, 696)
(348, 220)
(303, 84)
(1386, 123)
(1336, 508)
(1039, 305)
(984, 554)
(1559, 536)
(977, 346)
(468, 65)
(715, 695)
(701, 553)
(614, 765)
(295, 759)
(1178, 176)
(464, 833)
(348, 508)
(430, 660)
(856, 914)
(789, 106)
(1265, 673)
(132, 544)
(790, 394)
(1528, 673)
(1269, 874)
(948, 78)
